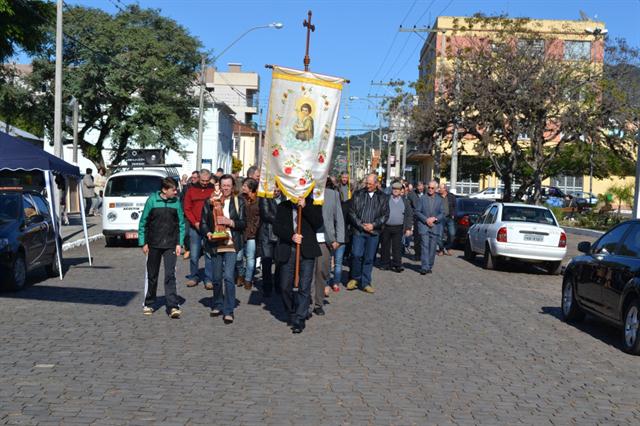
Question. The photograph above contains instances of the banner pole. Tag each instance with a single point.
(298, 231)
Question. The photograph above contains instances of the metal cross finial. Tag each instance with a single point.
(310, 28)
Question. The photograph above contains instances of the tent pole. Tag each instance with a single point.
(84, 221)
(54, 218)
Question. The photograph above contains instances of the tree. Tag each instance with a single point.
(524, 105)
(623, 194)
(23, 26)
(133, 75)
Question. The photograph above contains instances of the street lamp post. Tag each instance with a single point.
(274, 25)
(379, 113)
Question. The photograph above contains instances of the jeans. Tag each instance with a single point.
(296, 304)
(429, 243)
(194, 258)
(224, 271)
(338, 256)
(448, 234)
(363, 253)
(247, 260)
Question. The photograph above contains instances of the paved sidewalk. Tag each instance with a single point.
(72, 234)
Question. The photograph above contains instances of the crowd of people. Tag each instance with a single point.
(219, 217)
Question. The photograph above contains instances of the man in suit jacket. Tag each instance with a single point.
(429, 217)
(297, 305)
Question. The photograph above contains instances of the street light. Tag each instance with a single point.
(274, 25)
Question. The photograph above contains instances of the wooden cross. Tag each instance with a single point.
(310, 28)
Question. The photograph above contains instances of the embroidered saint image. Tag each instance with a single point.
(303, 127)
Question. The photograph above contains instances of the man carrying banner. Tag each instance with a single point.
(296, 303)
(368, 213)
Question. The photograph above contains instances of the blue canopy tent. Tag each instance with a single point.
(16, 154)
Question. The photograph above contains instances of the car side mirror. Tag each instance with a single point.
(584, 247)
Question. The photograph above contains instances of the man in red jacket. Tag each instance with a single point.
(194, 200)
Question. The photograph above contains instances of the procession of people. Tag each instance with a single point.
(221, 218)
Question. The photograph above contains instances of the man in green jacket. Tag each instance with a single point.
(161, 235)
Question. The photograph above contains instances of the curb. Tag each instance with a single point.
(80, 242)
(583, 231)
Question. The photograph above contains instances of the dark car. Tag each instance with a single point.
(605, 282)
(27, 237)
(467, 211)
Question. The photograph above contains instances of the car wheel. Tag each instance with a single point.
(554, 268)
(18, 276)
(490, 261)
(631, 339)
(571, 312)
(469, 254)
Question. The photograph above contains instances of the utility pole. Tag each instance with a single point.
(76, 108)
(454, 145)
(636, 195)
(203, 71)
(57, 114)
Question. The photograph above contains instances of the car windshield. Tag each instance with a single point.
(9, 206)
(527, 214)
(132, 186)
(472, 205)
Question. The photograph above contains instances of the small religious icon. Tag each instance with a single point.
(303, 127)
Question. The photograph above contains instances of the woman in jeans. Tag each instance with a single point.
(252, 214)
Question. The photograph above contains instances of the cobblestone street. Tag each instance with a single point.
(461, 346)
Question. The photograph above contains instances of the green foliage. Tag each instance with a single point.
(132, 74)
(22, 26)
(236, 165)
(622, 194)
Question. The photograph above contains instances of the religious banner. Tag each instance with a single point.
(301, 125)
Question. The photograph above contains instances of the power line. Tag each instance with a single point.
(116, 5)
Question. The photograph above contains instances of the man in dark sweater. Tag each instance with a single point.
(399, 223)
(449, 225)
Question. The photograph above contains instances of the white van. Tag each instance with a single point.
(125, 194)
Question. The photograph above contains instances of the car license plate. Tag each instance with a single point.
(533, 237)
(130, 235)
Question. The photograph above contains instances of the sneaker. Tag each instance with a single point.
(191, 283)
(335, 288)
(175, 313)
(147, 310)
(318, 311)
(208, 286)
(369, 289)
(352, 285)
(215, 313)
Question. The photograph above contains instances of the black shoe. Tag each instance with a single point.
(384, 267)
(398, 269)
(318, 311)
(423, 272)
(309, 315)
(296, 329)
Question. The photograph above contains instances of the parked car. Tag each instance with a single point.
(27, 237)
(588, 197)
(468, 210)
(605, 282)
(524, 232)
(125, 194)
(488, 194)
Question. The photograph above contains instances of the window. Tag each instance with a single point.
(29, 209)
(132, 186)
(577, 50)
(568, 184)
(41, 204)
(467, 186)
(608, 242)
(491, 216)
(527, 214)
(631, 244)
(531, 46)
(9, 207)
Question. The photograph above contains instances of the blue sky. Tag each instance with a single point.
(355, 39)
